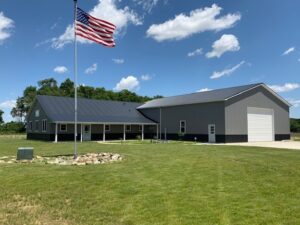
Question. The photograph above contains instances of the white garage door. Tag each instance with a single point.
(260, 125)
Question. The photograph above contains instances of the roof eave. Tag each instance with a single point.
(266, 87)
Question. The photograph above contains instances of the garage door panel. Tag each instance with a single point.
(260, 127)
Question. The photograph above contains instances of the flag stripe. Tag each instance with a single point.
(94, 29)
(95, 35)
(95, 40)
(102, 24)
(88, 29)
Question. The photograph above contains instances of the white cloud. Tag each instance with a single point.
(60, 69)
(199, 20)
(146, 77)
(106, 10)
(6, 25)
(118, 61)
(227, 43)
(92, 69)
(288, 51)
(9, 104)
(129, 83)
(195, 52)
(226, 72)
(295, 103)
(147, 5)
(204, 89)
(285, 87)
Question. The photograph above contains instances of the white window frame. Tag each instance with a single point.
(129, 127)
(30, 126)
(44, 125)
(180, 123)
(37, 113)
(61, 129)
(107, 126)
(36, 125)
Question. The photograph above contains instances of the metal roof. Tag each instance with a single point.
(61, 109)
(203, 97)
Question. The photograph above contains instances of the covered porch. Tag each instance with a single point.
(105, 131)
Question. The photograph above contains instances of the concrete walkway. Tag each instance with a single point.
(272, 144)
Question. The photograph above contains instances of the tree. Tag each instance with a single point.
(1, 117)
(19, 111)
(48, 87)
(66, 88)
(29, 95)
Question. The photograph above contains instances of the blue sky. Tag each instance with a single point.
(165, 47)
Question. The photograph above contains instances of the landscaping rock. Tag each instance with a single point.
(81, 160)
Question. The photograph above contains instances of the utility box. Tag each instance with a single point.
(25, 153)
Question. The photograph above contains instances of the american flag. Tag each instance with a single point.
(94, 29)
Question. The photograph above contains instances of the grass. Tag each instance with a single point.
(170, 183)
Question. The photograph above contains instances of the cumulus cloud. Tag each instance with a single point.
(146, 77)
(288, 51)
(6, 25)
(204, 89)
(92, 69)
(285, 87)
(198, 21)
(227, 43)
(106, 10)
(9, 104)
(226, 72)
(198, 51)
(60, 69)
(127, 83)
(118, 61)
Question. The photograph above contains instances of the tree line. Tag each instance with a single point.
(295, 125)
(51, 87)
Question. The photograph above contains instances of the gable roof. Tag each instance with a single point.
(61, 109)
(205, 97)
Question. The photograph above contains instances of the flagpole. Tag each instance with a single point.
(75, 80)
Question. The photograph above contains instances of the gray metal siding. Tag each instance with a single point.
(42, 116)
(236, 111)
(197, 117)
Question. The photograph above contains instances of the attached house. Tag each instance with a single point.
(238, 114)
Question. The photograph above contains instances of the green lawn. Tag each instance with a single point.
(155, 184)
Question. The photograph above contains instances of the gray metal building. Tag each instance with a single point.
(237, 114)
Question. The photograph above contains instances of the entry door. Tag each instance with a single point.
(86, 135)
(211, 133)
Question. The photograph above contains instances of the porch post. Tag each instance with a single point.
(81, 131)
(142, 132)
(124, 132)
(104, 132)
(55, 140)
(157, 131)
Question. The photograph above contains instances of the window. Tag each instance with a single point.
(63, 127)
(44, 125)
(128, 127)
(182, 126)
(212, 129)
(107, 127)
(30, 125)
(37, 113)
(36, 125)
